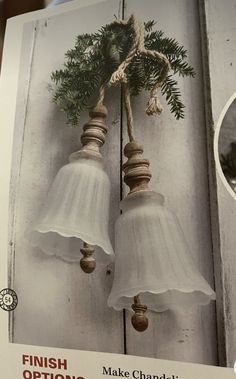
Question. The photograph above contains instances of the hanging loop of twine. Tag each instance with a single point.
(119, 76)
(154, 106)
(129, 113)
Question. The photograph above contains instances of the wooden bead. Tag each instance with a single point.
(139, 319)
(88, 265)
(88, 262)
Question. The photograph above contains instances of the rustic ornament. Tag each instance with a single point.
(153, 267)
(77, 205)
(139, 319)
(88, 262)
(153, 264)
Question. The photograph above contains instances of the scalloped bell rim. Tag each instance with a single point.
(107, 250)
(125, 300)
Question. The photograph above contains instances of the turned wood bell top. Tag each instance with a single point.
(94, 132)
(136, 168)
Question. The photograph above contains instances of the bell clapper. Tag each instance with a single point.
(88, 262)
(139, 319)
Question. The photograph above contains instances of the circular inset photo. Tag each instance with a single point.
(225, 145)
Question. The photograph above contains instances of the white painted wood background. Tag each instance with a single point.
(69, 308)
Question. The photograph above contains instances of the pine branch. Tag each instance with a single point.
(96, 56)
(173, 97)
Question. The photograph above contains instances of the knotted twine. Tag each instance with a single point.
(153, 106)
(119, 76)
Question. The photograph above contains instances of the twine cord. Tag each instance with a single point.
(154, 106)
(129, 113)
(119, 76)
(101, 95)
(139, 46)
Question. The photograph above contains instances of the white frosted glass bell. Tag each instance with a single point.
(75, 214)
(153, 266)
(77, 207)
(153, 259)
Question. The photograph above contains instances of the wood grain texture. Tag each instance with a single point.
(218, 24)
(21, 111)
(178, 157)
(59, 305)
(178, 153)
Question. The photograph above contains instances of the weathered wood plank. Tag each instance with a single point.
(59, 305)
(23, 93)
(177, 152)
(218, 27)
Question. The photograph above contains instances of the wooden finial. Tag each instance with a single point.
(136, 169)
(95, 131)
(139, 320)
(88, 262)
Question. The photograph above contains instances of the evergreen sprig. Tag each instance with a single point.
(96, 56)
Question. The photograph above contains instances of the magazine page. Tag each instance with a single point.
(118, 192)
